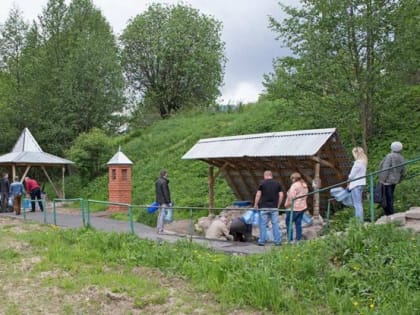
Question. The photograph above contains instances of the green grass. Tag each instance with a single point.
(366, 270)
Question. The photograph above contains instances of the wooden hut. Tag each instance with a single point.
(317, 154)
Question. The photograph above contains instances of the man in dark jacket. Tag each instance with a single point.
(4, 190)
(163, 197)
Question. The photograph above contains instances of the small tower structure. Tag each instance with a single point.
(119, 183)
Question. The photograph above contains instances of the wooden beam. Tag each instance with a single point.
(211, 188)
(58, 193)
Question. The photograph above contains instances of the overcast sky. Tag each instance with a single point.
(250, 44)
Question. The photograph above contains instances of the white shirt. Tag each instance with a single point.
(358, 170)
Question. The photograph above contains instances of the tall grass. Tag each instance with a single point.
(366, 270)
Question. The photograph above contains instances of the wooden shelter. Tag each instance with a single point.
(317, 154)
(27, 153)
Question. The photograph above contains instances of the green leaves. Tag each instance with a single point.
(173, 57)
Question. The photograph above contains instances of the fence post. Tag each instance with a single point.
(88, 212)
(54, 213)
(82, 210)
(371, 205)
(290, 228)
(130, 212)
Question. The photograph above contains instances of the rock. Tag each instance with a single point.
(398, 218)
(413, 213)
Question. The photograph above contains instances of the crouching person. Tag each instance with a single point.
(218, 230)
(240, 230)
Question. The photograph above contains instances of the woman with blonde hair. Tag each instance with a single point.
(358, 180)
(298, 188)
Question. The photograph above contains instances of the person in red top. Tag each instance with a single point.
(32, 188)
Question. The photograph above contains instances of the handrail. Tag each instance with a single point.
(370, 175)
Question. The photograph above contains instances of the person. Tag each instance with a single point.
(357, 184)
(391, 177)
(4, 191)
(298, 188)
(33, 189)
(268, 199)
(240, 230)
(16, 192)
(218, 230)
(163, 198)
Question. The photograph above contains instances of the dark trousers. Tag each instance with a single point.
(389, 196)
(4, 201)
(36, 194)
(297, 219)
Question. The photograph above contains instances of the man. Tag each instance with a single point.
(240, 230)
(268, 199)
(391, 177)
(16, 192)
(33, 189)
(218, 230)
(4, 191)
(163, 198)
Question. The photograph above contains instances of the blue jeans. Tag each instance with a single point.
(297, 218)
(275, 222)
(161, 215)
(356, 195)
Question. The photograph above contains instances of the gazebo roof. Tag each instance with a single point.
(27, 151)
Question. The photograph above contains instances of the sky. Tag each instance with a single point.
(250, 44)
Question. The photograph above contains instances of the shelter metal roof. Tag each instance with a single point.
(287, 143)
(243, 159)
(27, 151)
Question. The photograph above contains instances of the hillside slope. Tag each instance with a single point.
(163, 144)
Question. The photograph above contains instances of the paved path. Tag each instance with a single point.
(141, 230)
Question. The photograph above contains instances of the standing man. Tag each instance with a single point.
(32, 188)
(163, 198)
(16, 192)
(391, 177)
(4, 191)
(268, 199)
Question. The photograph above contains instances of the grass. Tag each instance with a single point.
(369, 269)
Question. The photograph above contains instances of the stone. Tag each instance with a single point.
(398, 218)
(413, 213)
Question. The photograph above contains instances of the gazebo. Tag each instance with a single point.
(27, 153)
(317, 154)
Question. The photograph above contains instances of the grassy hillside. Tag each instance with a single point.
(163, 144)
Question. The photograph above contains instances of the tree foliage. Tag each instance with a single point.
(70, 78)
(345, 54)
(173, 57)
(90, 152)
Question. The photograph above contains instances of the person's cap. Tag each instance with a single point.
(396, 146)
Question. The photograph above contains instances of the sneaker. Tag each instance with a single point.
(260, 244)
(277, 244)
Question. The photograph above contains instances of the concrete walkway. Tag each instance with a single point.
(141, 230)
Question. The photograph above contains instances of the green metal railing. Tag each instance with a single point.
(129, 207)
(371, 188)
(82, 211)
(44, 214)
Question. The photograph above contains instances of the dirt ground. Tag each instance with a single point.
(22, 293)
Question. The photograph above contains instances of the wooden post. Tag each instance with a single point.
(316, 184)
(63, 170)
(211, 189)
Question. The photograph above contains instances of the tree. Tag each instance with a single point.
(12, 43)
(73, 78)
(341, 49)
(173, 57)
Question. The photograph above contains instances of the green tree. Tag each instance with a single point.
(73, 78)
(12, 43)
(91, 151)
(342, 50)
(173, 58)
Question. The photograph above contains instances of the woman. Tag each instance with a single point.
(298, 188)
(358, 180)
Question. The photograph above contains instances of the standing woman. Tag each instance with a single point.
(298, 188)
(357, 186)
